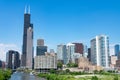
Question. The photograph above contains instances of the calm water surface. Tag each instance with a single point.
(24, 76)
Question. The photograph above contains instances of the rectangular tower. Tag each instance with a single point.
(117, 50)
(27, 49)
(12, 59)
(62, 53)
(100, 51)
(40, 49)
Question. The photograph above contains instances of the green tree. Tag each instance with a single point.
(72, 65)
(94, 78)
(67, 71)
(7, 74)
(52, 71)
(101, 71)
(59, 65)
(1, 76)
(95, 71)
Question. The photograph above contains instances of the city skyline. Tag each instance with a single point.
(66, 21)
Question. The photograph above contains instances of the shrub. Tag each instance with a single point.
(5, 74)
(94, 78)
(116, 77)
(67, 71)
(52, 71)
(96, 72)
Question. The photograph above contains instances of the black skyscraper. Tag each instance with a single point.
(13, 59)
(27, 49)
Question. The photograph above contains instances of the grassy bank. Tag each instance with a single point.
(72, 77)
(56, 77)
(5, 74)
(67, 75)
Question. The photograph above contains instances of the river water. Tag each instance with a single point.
(24, 76)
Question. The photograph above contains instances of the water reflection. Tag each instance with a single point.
(24, 76)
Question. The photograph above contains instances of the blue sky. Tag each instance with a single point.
(60, 21)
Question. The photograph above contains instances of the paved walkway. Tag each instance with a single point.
(89, 75)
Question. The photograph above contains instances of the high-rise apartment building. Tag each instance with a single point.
(117, 50)
(85, 54)
(71, 52)
(118, 57)
(27, 48)
(62, 53)
(100, 51)
(40, 49)
(12, 59)
(89, 54)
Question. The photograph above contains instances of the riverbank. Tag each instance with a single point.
(5, 74)
(79, 77)
(67, 75)
(56, 77)
(24, 76)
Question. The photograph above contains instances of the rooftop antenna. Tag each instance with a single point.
(25, 9)
(29, 9)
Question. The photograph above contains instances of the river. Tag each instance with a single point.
(24, 76)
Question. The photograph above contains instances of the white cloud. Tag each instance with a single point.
(5, 47)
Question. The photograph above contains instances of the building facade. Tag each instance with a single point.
(52, 51)
(84, 64)
(113, 60)
(118, 56)
(118, 65)
(45, 62)
(79, 48)
(71, 52)
(85, 54)
(62, 53)
(100, 51)
(89, 54)
(40, 49)
(27, 48)
(117, 50)
(40, 42)
(13, 59)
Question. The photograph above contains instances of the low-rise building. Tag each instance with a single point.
(44, 63)
(113, 60)
(85, 65)
(118, 64)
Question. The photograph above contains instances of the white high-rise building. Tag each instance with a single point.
(70, 52)
(62, 53)
(85, 54)
(100, 51)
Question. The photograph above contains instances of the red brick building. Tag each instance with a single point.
(79, 48)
